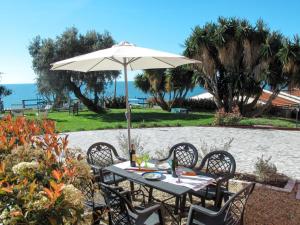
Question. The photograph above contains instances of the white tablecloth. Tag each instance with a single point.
(193, 182)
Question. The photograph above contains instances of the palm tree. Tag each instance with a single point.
(239, 60)
(161, 82)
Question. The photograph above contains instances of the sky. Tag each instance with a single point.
(159, 24)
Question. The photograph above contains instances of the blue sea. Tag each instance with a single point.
(29, 91)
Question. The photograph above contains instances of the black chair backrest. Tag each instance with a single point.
(186, 154)
(101, 154)
(118, 206)
(236, 206)
(87, 189)
(219, 164)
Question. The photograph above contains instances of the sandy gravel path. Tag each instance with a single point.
(248, 144)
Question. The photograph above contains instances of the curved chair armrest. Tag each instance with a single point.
(118, 189)
(95, 167)
(101, 207)
(227, 194)
(203, 211)
(205, 216)
(121, 159)
(126, 194)
(164, 159)
(221, 180)
(102, 170)
(143, 215)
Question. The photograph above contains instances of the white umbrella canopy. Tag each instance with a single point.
(114, 58)
(123, 56)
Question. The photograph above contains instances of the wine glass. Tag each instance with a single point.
(139, 161)
(179, 172)
(146, 158)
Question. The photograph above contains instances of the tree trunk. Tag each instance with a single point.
(115, 89)
(162, 103)
(87, 102)
(230, 98)
(96, 98)
(212, 88)
(246, 109)
(267, 106)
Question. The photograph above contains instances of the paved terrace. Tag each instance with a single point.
(248, 144)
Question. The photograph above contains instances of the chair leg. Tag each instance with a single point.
(150, 195)
(203, 201)
(218, 201)
(182, 207)
(109, 219)
(160, 217)
(96, 218)
(191, 198)
(176, 205)
(226, 197)
(132, 189)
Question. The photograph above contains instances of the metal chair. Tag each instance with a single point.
(122, 212)
(99, 156)
(186, 154)
(220, 165)
(98, 208)
(232, 213)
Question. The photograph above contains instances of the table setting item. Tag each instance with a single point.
(152, 175)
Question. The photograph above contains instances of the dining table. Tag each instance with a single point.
(166, 183)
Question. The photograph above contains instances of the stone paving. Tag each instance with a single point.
(248, 144)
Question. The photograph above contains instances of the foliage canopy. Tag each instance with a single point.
(58, 84)
(239, 60)
(161, 83)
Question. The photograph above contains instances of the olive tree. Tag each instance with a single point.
(57, 85)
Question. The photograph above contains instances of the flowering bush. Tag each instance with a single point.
(230, 118)
(38, 175)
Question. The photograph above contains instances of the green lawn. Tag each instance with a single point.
(271, 121)
(115, 118)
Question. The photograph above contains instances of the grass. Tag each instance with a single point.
(142, 118)
(269, 121)
(115, 119)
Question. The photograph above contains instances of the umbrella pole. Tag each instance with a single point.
(128, 111)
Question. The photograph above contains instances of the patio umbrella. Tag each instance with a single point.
(123, 56)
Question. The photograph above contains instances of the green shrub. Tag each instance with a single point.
(119, 126)
(196, 104)
(142, 125)
(191, 104)
(155, 125)
(223, 118)
(115, 103)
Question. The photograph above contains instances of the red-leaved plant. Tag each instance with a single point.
(38, 174)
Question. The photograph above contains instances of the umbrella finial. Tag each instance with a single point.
(124, 43)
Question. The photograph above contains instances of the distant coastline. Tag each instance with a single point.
(29, 91)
